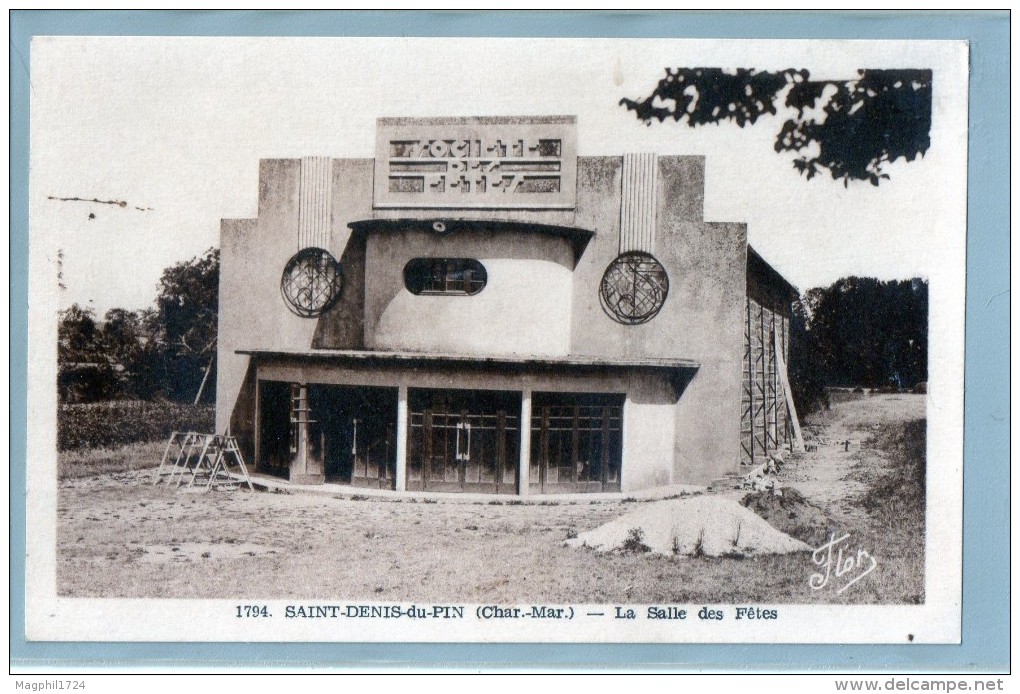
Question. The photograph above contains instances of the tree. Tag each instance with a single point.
(85, 372)
(184, 324)
(807, 363)
(852, 128)
(77, 334)
(866, 332)
(127, 343)
(164, 351)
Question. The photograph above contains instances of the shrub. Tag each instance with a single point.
(635, 542)
(119, 422)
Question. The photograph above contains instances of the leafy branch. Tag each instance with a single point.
(852, 128)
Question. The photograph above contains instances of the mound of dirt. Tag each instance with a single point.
(791, 513)
(701, 526)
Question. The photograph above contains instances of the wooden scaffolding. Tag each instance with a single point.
(768, 419)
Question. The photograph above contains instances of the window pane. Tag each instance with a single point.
(458, 276)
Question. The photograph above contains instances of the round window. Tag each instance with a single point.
(633, 288)
(311, 282)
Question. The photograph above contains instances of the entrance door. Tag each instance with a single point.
(576, 442)
(354, 433)
(276, 438)
(464, 441)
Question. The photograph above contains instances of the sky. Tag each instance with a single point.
(176, 126)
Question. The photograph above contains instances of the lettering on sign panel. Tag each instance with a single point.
(493, 163)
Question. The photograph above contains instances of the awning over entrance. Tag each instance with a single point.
(679, 371)
(350, 355)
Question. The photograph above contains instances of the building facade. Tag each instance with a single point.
(479, 309)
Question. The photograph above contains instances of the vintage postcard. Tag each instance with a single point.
(496, 340)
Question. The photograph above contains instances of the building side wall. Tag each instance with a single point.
(237, 237)
(765, 417)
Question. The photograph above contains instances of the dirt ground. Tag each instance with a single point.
(827, 475)
(120, 536)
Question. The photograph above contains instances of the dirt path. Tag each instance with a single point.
(829, 475)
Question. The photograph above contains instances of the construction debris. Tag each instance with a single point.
(214, 459)
(764, 476)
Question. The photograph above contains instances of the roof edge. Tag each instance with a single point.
(757, 264)
(523, 360)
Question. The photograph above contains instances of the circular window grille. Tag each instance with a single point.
(633, 288)
(311, 282)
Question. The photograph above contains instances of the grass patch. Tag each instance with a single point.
(900, 489)
(97, 461)
(892, 466)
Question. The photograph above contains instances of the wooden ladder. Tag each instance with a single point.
(784, 377)
(177, 457)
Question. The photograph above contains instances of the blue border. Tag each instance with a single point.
(986, 633)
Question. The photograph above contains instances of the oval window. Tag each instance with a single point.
(458, 276)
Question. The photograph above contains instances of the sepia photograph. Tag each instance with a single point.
(496, 339)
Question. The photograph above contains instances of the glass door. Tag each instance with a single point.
(464, 441)
(576, 442)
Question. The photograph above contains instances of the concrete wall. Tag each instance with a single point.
(253, 254)
(711, 327)
(649, 436)
(237, 237)
(599, 191)
(342, 327)
(701, 318)
(523, 309)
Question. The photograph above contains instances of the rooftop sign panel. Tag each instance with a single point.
(526, 162)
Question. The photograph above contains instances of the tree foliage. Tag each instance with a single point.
(807, 370)
(187, 304)
(185, 320)
(851, 128)
(84, 369)
(158, 352)
(859, 331)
